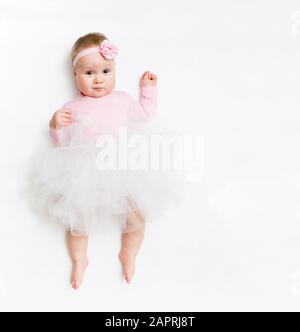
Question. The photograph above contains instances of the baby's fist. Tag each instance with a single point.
(149, 79)
(60, 119)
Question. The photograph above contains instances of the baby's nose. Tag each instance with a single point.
(98, 79)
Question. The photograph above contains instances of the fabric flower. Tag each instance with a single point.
(108, 50)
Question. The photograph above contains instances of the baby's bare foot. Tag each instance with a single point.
(79, 267)
(128, 264)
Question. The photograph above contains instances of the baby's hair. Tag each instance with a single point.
(89, 40)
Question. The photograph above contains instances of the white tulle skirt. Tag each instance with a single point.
(72, 189)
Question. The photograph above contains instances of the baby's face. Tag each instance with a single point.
(94, 75)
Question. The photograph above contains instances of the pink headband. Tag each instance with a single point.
(106, 48)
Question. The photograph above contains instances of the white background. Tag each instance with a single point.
(228, 71)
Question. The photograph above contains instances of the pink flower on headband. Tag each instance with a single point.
(108, 50)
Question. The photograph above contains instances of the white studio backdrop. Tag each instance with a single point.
(229, 71)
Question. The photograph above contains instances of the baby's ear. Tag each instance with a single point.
(74, 72)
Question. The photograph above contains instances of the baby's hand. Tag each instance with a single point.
(148, 79)
(60, 119)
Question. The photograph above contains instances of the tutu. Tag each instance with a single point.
(72, 189)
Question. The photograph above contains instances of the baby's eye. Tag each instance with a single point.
(89, 72)
(106, 71)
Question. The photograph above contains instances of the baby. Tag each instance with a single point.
(95, 76)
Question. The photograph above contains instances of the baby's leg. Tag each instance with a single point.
(131, 243)
(78, 251)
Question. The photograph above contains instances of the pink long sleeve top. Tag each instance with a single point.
(107, 114)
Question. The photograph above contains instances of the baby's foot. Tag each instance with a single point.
(79, 267)
(128, 264)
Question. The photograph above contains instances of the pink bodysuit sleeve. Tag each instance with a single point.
(53, 135)
(146, 107)
(60, 137)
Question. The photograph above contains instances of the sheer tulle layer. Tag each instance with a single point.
(71, 189)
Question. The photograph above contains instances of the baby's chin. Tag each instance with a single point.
(95, 93)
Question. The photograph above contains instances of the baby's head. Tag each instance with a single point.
(94, 73)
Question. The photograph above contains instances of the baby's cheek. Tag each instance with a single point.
(84, 83)
(111, 84)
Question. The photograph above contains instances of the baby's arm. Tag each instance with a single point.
(146, 107)
(58, 126)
